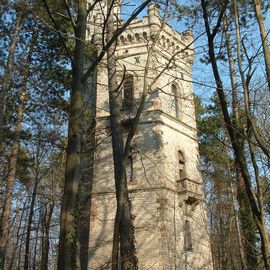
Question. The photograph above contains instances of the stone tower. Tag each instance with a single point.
(164, 179)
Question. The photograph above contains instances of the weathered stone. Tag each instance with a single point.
(165, 192)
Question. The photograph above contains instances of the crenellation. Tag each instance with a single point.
(169, 43)
(142, 30)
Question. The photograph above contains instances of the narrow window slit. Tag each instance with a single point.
(187, 236)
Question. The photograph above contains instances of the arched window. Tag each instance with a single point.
(176, 98)
(173, 46)
(128, 92)
(137, 37)
(168, 43)
(163, 41)
(145, 36)
(129, 38)
(122, 40)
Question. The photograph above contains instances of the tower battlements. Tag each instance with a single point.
(145, 30)
(142, 31)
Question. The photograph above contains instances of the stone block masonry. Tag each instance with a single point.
(163, 173)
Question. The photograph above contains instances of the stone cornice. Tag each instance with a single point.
(158, 120)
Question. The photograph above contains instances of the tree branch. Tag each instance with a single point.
(58, 32)
(220, 17)
(117, 33)
(69, 15)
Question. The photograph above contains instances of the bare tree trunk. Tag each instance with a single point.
(68, 240)
(263, 33)
(238, 228)
(17, 237)
(247, 224)
(238, 151)
(235, 120)
(36, 239)
(234, 87)
(124, 228)
(8, 72)
(245, 212)
(250, 118)
(22, 240)
(87, 163)
(253, 129)
(29, 223)
(46, 240)
(11, 175)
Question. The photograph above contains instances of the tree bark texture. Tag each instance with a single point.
(87, 163)
(236, 122)
(124, 228)
(47, 217)
(29, 223)
(68, 240)
(264, 38)
(248, 226)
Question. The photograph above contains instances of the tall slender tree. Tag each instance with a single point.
(11, 173)
(234, 136)
(6, 79)
(264, 38)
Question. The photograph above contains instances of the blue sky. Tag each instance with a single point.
(202, 73)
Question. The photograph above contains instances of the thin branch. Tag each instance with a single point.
(92, 6)
(220, 17)
(58, 32)
(117, 33)
(69, 14)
